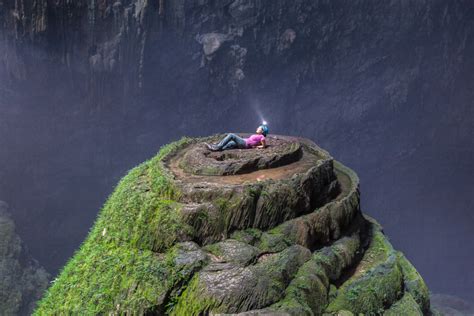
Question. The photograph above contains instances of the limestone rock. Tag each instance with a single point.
(22, 279)
(273, 231)
(211, 42)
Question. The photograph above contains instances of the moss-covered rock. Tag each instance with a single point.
(126, 263)
(276, 240)
(216, 206)
(376, 282)
(405, 306)
(231, 250)
(233, 288)
(414, 284)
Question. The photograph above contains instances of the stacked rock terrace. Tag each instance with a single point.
(280, 230)
(273, 231)
(261, 198)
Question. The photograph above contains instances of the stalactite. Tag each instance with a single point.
(19, 14)
(161, 10)
(39, 20)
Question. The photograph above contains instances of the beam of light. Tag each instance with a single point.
(256, 106)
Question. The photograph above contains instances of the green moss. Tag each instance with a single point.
(141, 211)
(414, 283)
(225, 207)
(254, 191)
(405, 306)
(102, 279)
(127, 263)
(309, 292)
(116, 269)
(306, 290)
(193, 301)
(215, 249)
(376, 282)
(322, 259)
(250, 235)
(291, 306)
(269, 242)
(332, 292)
(273, 240)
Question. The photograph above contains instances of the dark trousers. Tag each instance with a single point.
(232, 141)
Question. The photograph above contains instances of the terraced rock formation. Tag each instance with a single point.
(274, 231)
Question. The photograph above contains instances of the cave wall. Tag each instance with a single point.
(384, 86)
(23, 279)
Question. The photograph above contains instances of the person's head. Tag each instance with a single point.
(262, 129)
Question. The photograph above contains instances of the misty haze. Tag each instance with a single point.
(91, 89)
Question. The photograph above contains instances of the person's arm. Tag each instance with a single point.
(262, 144)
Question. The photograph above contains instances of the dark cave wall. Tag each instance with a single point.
(23, 280)
(386, 87)
(232, 45)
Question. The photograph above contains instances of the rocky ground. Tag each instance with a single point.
(236, 234)
(22, 279)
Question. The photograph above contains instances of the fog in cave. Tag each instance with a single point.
(386, 88)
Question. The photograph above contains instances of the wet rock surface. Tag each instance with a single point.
(262, 198)
(294, 242)
(280, 151)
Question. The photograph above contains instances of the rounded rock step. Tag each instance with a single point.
(280, 151)
(215, 206)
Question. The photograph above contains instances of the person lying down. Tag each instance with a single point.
(232, 141)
